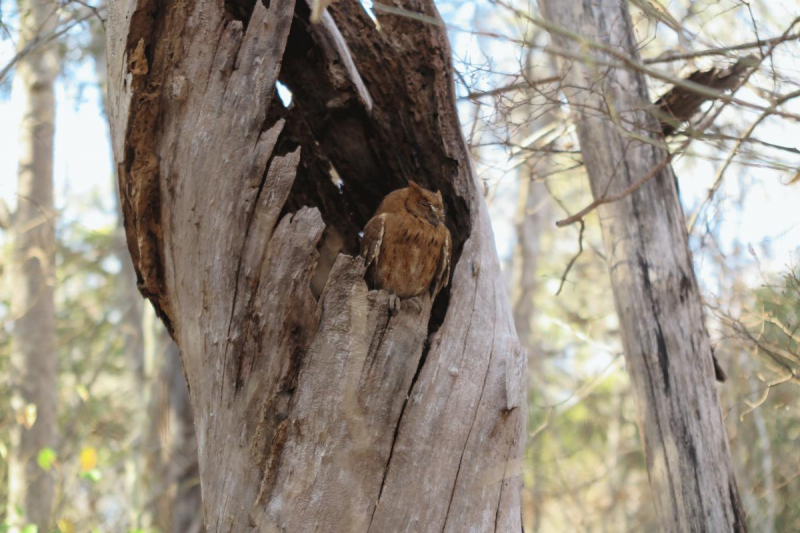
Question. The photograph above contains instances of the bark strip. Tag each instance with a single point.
(680, 103)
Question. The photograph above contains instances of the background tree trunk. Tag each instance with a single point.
(667, 347)
(315, 408)
(172, 470)
(533, 221)
(32, 278)
(532, 218)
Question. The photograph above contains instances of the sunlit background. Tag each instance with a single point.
(584, 466)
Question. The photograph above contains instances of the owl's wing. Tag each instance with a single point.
(372, 239)
(443, 271)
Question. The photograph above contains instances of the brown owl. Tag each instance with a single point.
(406, 245)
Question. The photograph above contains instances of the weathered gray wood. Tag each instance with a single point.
(667, 347)
(328, 414)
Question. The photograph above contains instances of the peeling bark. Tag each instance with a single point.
(667, 348)
(315, 407)
(681, 103)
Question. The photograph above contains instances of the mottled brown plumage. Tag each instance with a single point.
(406, 245)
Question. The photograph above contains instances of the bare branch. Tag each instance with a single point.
(723, 51)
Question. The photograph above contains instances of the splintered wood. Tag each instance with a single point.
(314, 410)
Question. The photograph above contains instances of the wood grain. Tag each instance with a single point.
(314, 410)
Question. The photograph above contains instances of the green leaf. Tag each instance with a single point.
(30, 528)
(46, 458)
(92, 475)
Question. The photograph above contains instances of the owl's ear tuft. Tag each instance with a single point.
(415, 190)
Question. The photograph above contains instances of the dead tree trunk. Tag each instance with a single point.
(315, 408)
(33, 354)
(667, 347)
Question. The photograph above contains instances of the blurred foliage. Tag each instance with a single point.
(97, 400)
(584, 467)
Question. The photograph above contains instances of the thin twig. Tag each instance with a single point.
(719, 51)
(508, 88)
(658, 168)
(574, 258)
(746, 135)
(632, 188)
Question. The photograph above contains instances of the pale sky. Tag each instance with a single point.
(82, 167)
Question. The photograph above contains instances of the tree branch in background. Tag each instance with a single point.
(472, 95)
(574, 258)
(706, 123)
(746, 135)
(44, 37)
(720, 51)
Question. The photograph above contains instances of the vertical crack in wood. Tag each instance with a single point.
(696, 478)
(391, 454)
(275, 167)
(237, 273)
(421, 362)
(662, 358)
(661, 345)
(736, 505)
(251, 217)
(505, 476)
(474, 416)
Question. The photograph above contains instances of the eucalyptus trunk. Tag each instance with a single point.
(667, 347)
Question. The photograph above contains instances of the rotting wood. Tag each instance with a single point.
(315, 410)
